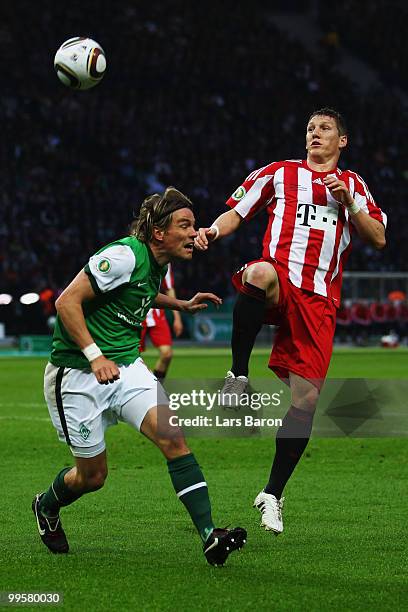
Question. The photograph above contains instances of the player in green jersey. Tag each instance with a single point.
(96, 377)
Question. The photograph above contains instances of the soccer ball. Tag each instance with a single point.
(80, 63)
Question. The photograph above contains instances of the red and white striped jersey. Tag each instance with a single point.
(155, 314)
(168, 280)
(308, 231)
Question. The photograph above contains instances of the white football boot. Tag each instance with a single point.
(234, 387)
(271, 511)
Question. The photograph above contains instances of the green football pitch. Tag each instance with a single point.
(132, 545)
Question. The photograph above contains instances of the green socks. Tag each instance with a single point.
(187, 479)
(190, 486)
(57, 495)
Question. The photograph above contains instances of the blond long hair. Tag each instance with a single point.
(157, 211)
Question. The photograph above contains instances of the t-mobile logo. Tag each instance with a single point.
(308, 213)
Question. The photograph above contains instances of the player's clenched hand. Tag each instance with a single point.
(204, 237)
(339, 190)
(198, 302)
(106, 371)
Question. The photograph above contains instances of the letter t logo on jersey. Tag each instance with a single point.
(305, 220)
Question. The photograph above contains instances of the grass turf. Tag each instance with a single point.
(132, 545)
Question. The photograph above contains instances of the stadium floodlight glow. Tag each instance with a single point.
(29, 298)
(5, 299)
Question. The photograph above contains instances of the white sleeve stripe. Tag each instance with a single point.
(359, 180)
(371, 200)
(366, 190)
(252, 197)
(255, 173)
(258, 172)
(384, 218)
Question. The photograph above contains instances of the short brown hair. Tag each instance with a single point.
(157, 211)
(330, 112)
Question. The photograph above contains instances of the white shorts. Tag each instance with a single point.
(81, 408)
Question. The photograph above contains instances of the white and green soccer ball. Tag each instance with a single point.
(80, 63)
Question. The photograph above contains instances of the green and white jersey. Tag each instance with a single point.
(126, 279)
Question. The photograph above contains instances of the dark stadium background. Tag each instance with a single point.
(196, 95)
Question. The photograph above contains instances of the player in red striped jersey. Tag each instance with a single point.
(157, 327)
(314, 208)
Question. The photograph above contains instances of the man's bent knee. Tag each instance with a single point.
(263, 275)
(305, 394)
(164, 433)
(307, 400)
(166, 353)
(93, 481)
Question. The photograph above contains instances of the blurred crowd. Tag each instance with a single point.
(196, 95)
(374, 31)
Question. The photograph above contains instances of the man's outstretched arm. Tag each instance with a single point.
(197, 303)
(224, 225)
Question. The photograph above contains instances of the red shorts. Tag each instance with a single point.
(306, 324)
(160, 333)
